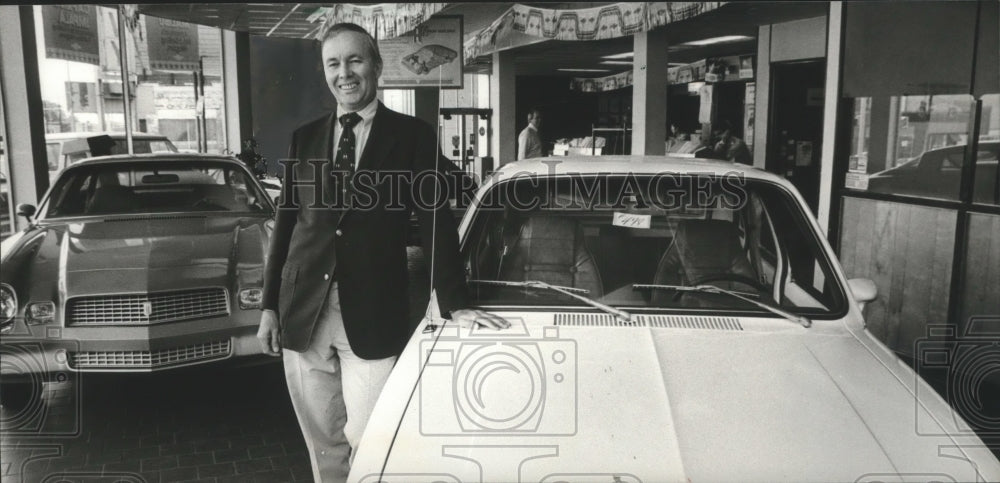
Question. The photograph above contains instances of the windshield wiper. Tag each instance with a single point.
(805, 322)
(619, 314)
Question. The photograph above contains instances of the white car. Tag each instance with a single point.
(672, 320)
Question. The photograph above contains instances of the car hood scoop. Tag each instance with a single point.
(566, 402)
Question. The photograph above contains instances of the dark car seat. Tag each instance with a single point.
(111, 199)
(703, 248)
(550, 249)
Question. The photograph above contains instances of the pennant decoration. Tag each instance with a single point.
(598, 23)
(383, 21)
(601, 84)
(713, 69)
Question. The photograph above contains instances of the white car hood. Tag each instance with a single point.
(771, 402)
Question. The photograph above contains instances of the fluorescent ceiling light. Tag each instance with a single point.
(584, 70)
(717, 40)
(623, 55)
(617, 62)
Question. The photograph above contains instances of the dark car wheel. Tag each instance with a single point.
(17, 396)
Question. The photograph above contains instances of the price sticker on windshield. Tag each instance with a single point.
(632, 220)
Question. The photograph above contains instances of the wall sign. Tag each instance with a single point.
(173, 45)
(429, 56)
(71, 33)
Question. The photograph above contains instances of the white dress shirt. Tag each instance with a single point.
(361, 129)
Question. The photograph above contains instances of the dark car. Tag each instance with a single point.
(135, 263)
(937, 174)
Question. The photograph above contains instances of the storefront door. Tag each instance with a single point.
(796, 132)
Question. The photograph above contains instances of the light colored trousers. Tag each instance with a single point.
(333, 392)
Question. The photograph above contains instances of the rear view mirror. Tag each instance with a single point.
(160, 179)
(863, 290)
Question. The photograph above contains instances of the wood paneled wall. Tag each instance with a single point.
(907, 251)
(982, 268)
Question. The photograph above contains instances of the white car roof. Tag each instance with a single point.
(637, 164)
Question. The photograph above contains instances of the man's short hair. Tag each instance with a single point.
(534, 111)
(339, 28)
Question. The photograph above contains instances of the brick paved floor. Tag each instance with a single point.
(202, 424)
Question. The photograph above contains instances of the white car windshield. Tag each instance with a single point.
(625, 240)
(154, 187)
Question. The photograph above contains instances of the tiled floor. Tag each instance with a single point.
(198, 425)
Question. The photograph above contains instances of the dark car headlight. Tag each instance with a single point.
(251, 298)
(8, 303)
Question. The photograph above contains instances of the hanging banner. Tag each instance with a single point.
(430, 56)
(602, 84)
(384, 21)
(71, 33)
(173, 45)
(607, 22)
(716, 69)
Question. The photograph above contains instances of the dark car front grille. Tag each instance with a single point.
(147, 309)
(150, 360)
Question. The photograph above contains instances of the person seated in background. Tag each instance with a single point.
(730, 147)
(707, 148)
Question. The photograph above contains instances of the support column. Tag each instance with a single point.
(763, 101)
(502, 100)
(830, 103)
(425, 105)
(29, 169)
(649, 92)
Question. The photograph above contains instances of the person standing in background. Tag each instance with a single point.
(529, 143)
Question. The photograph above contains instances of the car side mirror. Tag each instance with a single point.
(26, 210)
(863, 290)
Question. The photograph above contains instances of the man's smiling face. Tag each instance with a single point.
(351, 71)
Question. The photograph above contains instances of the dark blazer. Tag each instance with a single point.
(361, 237)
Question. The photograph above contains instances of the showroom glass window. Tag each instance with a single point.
(920, 198)
(82, 90)
(179, 82)
(912, 122)
(79, 76)
(6, 210)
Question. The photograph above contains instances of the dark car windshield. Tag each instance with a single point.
(154, 187)
(604, 234)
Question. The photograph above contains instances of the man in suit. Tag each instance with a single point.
(335, 284)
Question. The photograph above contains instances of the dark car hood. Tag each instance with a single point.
(138, 254)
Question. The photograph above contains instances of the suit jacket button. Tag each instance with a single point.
(339, 232)
(326, 276)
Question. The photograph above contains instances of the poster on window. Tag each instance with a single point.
(173, 45)
(71, 33)
(81, 97)
(431, 55)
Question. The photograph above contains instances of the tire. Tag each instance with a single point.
(16, 396)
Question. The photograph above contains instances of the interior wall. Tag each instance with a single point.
(288, 90)
(566, 113)
(799, 39)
